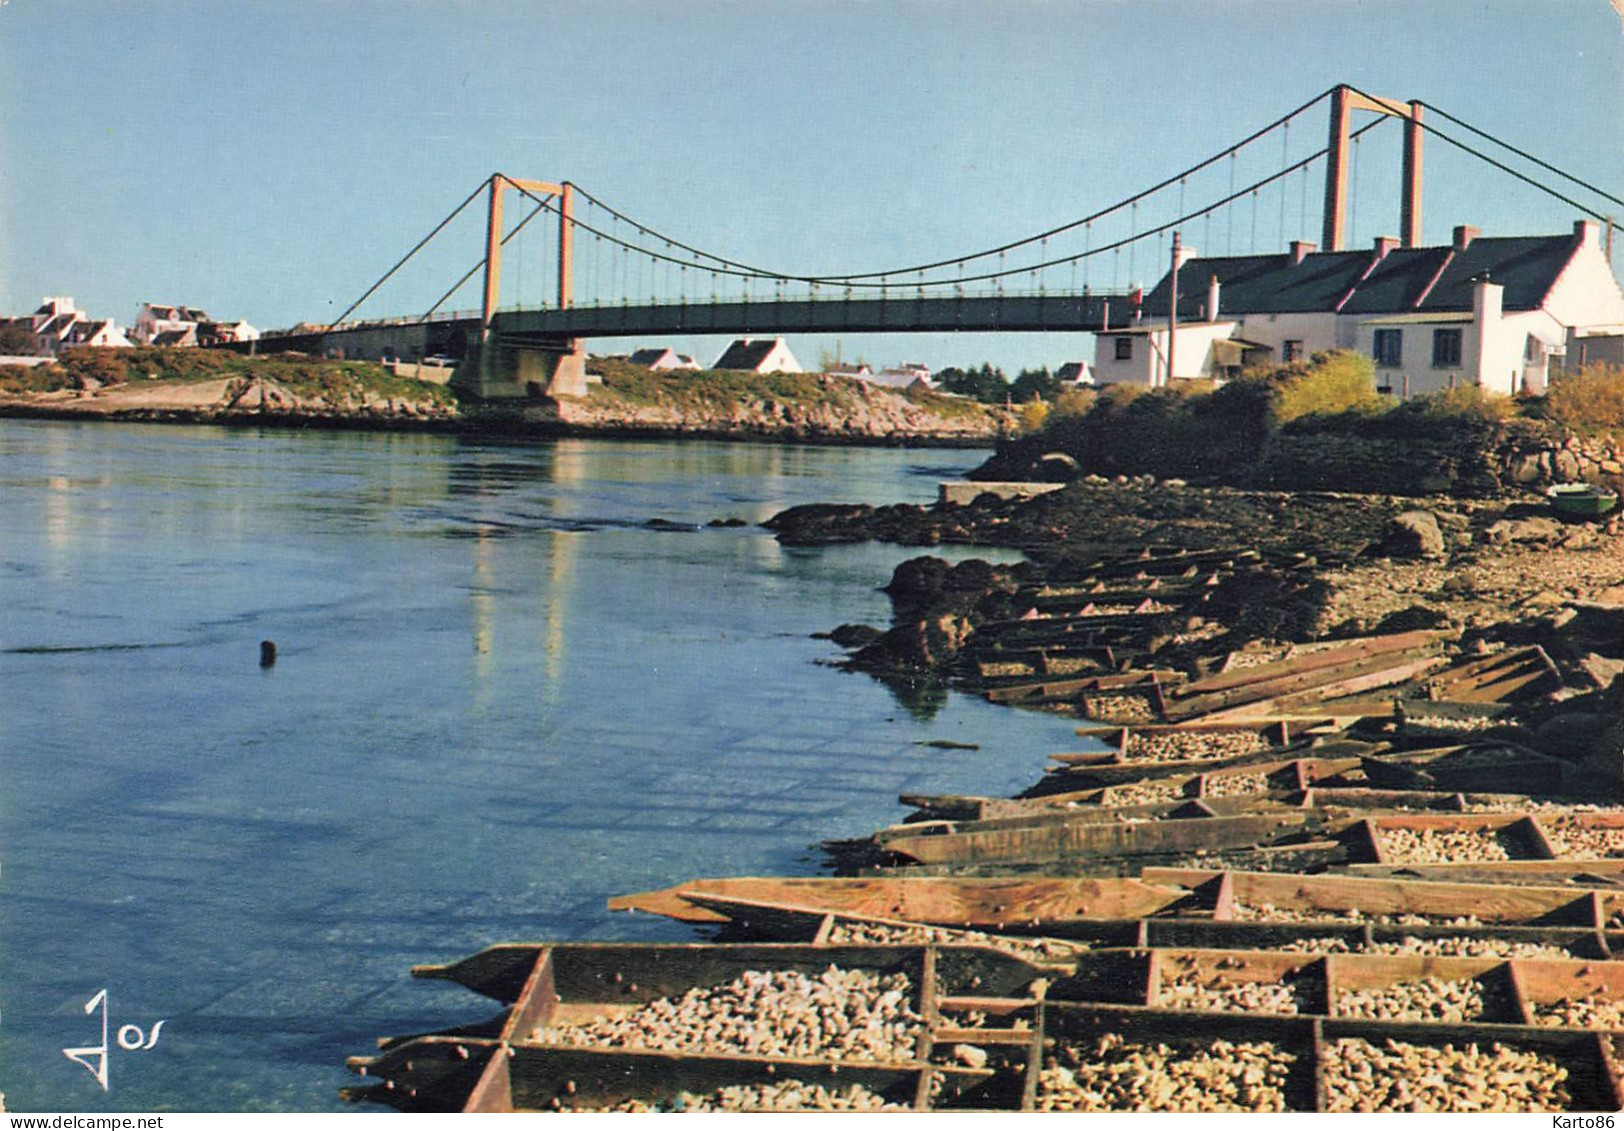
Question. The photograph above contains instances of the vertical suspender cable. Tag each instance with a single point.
(1133, 245)
(1229, 212)
(1285, 161)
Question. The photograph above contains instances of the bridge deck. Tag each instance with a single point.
(890, 314)
(893, 313)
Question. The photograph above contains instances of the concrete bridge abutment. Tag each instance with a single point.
(507, 370)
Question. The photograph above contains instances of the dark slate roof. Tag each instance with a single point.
(1263, 284)
(646, 357)
(83, 331)
(745, 354)
(168, 313)
(1526, 266)
(1398, 281)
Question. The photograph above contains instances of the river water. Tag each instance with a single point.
(501, 697)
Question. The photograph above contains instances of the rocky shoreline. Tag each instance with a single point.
(238, 403)
(1489, 575)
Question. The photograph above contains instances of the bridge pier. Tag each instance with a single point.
(507, 370)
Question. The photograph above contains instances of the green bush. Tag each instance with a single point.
(35, 379)
(1588, 401)
(1073, 402)
(1334, 382)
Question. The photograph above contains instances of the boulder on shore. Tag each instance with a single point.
(1413, 534)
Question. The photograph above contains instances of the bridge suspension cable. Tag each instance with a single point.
(1522, 153)
(420, 245)
(1507, 169)
(865, 282)
(476, 268)
(1127, 202)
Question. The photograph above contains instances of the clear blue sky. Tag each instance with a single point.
(268, 160)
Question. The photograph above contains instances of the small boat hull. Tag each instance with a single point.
(1581, 500)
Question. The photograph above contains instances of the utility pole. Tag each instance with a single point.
(1172, 307)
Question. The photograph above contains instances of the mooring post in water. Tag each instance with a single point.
(267, 653)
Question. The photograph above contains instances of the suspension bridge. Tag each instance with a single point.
(613, 276)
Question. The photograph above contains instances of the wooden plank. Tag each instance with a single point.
(1539, 872)
(434, 1073)
(1304, 689)
(499, 972)
(1380, 896)
(944, 901)
(537, 1001)
(1071, 837)
(493, 1094)
(1496, 678)
(1053, 689)
(1365, 648)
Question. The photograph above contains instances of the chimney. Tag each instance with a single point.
(1464, 235)
(1212, 299)
(1302, 249)
(1385, 244)
(1584, 231)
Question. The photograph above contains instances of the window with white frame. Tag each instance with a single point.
(1124, 349)
(1292, 350)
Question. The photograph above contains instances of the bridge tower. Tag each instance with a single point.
(512, 369)
(1345, 100)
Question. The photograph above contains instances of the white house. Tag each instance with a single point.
(759, 356)
(862, 371)
(908, 375)
(58, 322)
(100, 332)
(1489, 311)
(1202, 351)
(175, 325)
(664, 358)
(1074, 373)
(217, 333)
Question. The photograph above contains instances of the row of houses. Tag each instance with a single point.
(58, 323)
(1502, 313)
(752, 355)
(772, 355)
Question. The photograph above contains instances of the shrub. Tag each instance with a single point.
(1588, 401)
(1334, 382)
(35, 379)
(1033, 414)
(1073, 402)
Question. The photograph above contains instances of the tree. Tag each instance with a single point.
(1034, 384)
(18, 341)
(987, 385)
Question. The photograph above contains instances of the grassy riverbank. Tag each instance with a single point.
(801, 406)
(211, 386)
